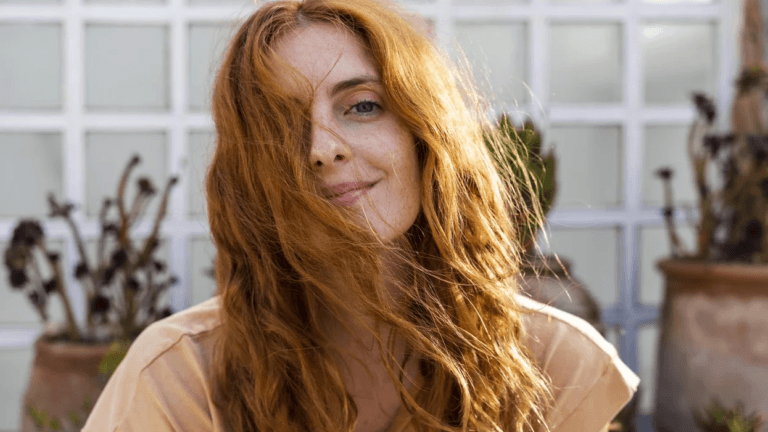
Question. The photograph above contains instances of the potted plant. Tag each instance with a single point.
(545, 278)
(123, 287)
(719, 419)
(714, 325)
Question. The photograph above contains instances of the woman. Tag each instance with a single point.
(366, 256)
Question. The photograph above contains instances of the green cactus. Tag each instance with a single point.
(526, 143)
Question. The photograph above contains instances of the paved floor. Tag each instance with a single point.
(644, 423)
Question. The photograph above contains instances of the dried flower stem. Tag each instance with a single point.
(151, 243)
(58, 276)
(129, 317)
(123, 230)
(102, 238)
(144, 258)
(678, 249)
(699, 161)
(75, 233)
(137, 208)
(41, 309)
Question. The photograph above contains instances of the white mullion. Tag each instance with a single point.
(567, 113)
(127, 13)
(178, 157)
(11, 338)
(127, 121)
(491, 12)
(537, 67)
(33, 122)
(74, 147)
(577, 12)
(195, 121)
(681, 114)
(217, 14)
(633, 175)
(32, 14)
(678, 12)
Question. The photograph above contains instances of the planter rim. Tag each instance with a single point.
(67, 357)
(757, 273)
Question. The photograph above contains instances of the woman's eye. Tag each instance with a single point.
(365, 107)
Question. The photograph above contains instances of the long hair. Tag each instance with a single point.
(283, 251)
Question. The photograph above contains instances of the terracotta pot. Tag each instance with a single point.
(63, 375)
(713, 342)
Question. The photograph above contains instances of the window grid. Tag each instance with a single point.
(631, 115)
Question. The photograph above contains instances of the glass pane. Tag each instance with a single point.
(30, 66)
(678, 59)
(202, 254)
(488, 2)
(497, 55)
(594, 257)
(244, 3)
(585, 63)
(207, 43)
(667, 145)
(201, 146)
(127, 2)
(106, 155)
(15, 306)
(648, 339)
(584, 1)
(654, 246)
(31, 167)
(126, 67)
(612, 335)
(15, 365)
(588, 166)
(678, 1)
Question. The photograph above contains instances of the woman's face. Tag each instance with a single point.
(364, 156)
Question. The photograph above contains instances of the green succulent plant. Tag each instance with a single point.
(517, 151)
(717, 418)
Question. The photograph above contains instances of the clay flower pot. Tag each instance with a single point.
(63, 376)
(713, 342)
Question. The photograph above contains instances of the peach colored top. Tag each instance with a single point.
(162, 385)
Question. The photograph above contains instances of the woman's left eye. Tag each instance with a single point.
(365, 108)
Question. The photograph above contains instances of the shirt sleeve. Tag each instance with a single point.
(155, 389)
(590, 383)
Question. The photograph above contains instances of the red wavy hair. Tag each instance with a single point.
(274, 234)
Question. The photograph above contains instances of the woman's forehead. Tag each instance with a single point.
(325, 55)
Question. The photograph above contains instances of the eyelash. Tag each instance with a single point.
(365, 101)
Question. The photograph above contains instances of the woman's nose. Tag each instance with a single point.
(327, 147)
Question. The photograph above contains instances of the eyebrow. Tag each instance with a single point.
(353, 82)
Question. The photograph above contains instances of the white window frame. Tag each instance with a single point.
(631, 115)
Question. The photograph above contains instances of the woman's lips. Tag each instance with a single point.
(346, 194)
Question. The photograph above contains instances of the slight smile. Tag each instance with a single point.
(346, 194)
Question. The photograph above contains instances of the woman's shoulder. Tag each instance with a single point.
(590, 383)
(162, 384)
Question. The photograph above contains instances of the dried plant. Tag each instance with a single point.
(123, 285)
(734, 217)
